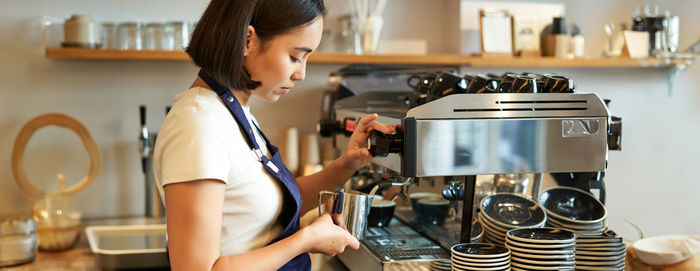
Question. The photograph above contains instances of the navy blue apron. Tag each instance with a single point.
(274, 166)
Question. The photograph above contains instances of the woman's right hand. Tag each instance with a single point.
(324, 236)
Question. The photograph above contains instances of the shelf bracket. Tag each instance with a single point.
(673, 74)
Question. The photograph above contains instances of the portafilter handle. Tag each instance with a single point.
(380, 144)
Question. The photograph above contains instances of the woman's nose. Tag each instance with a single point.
(299, 74)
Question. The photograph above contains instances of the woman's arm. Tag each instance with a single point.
(194, 214)
(340, 170)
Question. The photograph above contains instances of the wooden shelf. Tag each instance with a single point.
(336, 58)
(111, 54)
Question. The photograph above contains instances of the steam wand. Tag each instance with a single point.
(407, 182)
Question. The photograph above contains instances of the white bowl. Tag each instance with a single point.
(667, 249)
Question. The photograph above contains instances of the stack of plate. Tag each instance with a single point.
(480, 257)
(441, 265)
(477, 232)
(604, 251)
(541, 249)
(574, 210)
(503, 212)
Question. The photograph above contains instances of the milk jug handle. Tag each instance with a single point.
(320, 196)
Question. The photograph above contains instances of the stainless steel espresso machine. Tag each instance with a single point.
(457, 127)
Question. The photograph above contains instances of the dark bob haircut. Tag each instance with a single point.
(219, 39)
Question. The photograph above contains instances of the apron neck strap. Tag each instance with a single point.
(236, 110)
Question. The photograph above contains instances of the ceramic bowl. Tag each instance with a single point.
(668, 249)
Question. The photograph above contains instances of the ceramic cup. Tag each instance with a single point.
(81, 31)
(433, 211)
(421, 195)
(381, 212)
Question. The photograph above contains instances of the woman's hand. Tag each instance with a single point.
(323, 236)
(357, 155)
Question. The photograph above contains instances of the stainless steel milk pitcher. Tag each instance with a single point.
(353, 208)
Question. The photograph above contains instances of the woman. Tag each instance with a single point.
(230, 202)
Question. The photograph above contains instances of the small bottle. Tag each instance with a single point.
(561, 39)
(577, 46)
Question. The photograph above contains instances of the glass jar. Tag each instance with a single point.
(154, 38)
(349, 40)
(179, 33)
(109, 38)
(327, 41)
(130, 36)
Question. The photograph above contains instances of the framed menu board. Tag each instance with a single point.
(496, 32)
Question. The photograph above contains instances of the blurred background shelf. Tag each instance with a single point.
(338, 58)
(112, 54)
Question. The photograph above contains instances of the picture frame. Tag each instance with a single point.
(496, 32)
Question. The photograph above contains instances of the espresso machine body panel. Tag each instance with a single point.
(472, 134)
(492, 146)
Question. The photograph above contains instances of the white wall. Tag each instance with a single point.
(652, 182)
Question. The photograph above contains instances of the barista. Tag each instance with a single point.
(231, 203)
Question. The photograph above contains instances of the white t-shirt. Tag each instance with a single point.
(200, 139)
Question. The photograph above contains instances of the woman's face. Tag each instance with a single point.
(282, 61)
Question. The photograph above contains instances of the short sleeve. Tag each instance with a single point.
(191, 146)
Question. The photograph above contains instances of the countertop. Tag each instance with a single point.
(80, 258)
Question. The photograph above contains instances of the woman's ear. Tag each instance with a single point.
(251, 40)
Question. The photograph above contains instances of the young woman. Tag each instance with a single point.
(230, 202)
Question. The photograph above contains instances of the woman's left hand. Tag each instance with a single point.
(357, 155)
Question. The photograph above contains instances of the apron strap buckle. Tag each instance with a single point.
(259, 154)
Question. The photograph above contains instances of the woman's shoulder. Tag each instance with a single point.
(197, 98)
(197, 109)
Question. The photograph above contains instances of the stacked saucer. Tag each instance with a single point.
(441, 265)
(503, 212)
(477, 232)
(480, 257)
(604, 251)
(541, 249)
(574, 210)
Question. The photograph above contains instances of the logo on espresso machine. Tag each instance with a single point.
(579, 127)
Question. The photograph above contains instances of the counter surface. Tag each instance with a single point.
(80, 258)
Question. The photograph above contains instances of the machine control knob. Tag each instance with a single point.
(348, 126)
(380, 144)
(327, 127)
(453, 193)
(615, 134)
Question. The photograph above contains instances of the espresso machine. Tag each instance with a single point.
(456, 127)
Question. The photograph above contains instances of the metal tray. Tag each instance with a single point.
(129, 246)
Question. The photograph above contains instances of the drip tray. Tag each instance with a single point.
(395, 247)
